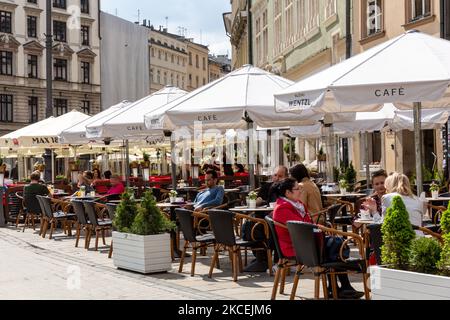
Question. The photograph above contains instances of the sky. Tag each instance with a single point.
(202, 18)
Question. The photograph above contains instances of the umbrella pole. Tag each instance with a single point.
(366, 142)
(127, 162)
(53, 166)
(418, 143)
(173, 166)
(251, 166)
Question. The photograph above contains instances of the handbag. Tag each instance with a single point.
(332, 248)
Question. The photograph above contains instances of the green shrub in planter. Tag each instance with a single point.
(126, 212)
(444, 262)
(397, 235)
(425, 253)
(149, 219)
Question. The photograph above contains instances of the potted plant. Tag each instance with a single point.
(75, 165)
(343, 185)
(252, 196)
(413, 267)
(321, 156)
(290, 147)
(434, 189)
(142, 241)
(60, 179)
(173, 196)
(145, 163)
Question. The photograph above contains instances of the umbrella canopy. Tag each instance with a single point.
(410, 68)
(128, 123)
(77, 133)
(12, 138)
(47, 134)
(224, 103)
(431, 119)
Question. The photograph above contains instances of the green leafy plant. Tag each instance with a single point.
(146, 156)
(434, 187)
(149, 219)
(350, 174)
(343, 184)
(60, 177)
(253, 195)
(336, 173)
(444, 262)
(425, 253)
(397, 235)
(125, 212)
(173, 193)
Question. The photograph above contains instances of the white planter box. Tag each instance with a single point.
(144, 254)
(389, 284)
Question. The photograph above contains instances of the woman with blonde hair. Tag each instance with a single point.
(397, 184)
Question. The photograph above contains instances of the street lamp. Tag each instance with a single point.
(48, 46)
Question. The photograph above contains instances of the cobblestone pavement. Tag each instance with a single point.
(36, 268)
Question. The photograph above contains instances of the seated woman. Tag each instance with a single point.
(84, 181)
(373, 203)
(97, 183)
(290, 208)
(398, 184)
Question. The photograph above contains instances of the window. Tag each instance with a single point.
(85, 72)
(86, 107)
(172, 82)
(158, 77)
(6, 108)
(165, 56)
(151, 76)
(184, 62)
(32, 66)
(33, 106)
(372, 17)
(165, 78)
(190, 58)
(5, 22)
(85, 35)
(84, 6)
(204, 81)
(277, 26)
(59, 4)
(59, 30)
(190, 80)
(330, 8)
(60, 106)
(196, 61)
(6, 63)
(182, 82)
(178, 60)
(178, 80)
(418, 9)
(196, 81)
(60, 69)
(262, 39)
(172, 58)
(159, 54)
(204, 63)
(289, 21)
(32, 26)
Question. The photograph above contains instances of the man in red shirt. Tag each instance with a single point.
(116, 186)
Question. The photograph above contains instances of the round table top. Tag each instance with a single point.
(247, 209)
(369, 221)
(438, 199)
(173, 205)
(232, 190)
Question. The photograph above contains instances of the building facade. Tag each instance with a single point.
(168, 60)
(197, 67)
(219, 66)
(236, 27)
(76, 60)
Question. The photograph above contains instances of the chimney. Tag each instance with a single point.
(165, 30)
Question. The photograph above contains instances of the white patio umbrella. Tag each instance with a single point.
(128, 123)
(12, 139)
(76, 134)
(411, 68)
(225, 103)
(431, 119)
(232, 102)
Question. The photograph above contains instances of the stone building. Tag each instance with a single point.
(76, 60)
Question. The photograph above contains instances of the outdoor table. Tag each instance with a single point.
(442, 199)
(364, 224)
(259, 212)
(188, 191)
(82, 198)
(176, 252)
(232, 190)
(347, 195)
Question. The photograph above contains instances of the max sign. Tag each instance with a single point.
(46, 140)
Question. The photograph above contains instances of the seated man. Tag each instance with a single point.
(117, 187)
(212, 196)
(31, 191)
(266, 194)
